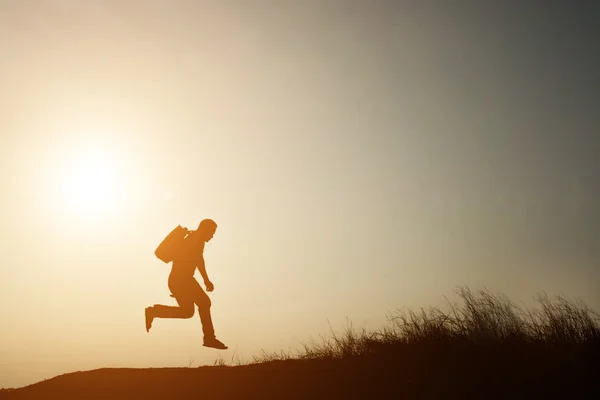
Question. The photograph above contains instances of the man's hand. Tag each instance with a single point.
(209, 286)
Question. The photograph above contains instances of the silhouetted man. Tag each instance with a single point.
(186, 289)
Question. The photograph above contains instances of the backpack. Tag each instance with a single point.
(172, 246)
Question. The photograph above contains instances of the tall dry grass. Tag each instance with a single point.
(481, 321)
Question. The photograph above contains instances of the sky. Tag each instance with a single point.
(359, 157)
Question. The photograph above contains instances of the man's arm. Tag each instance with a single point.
(202, 268)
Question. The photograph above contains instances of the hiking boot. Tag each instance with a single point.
(149, 314)
(214, 343)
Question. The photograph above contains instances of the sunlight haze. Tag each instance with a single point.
(358, 157)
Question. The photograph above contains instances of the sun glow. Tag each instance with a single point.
(91, 184)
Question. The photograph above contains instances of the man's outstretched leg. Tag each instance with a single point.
(203, 302)
(207, 328)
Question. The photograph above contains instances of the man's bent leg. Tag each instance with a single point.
(185, 310)
(161, 311)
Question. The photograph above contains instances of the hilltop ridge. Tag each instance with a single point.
(489, 348)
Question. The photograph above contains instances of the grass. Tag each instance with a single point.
(483, 346)
(483, 321)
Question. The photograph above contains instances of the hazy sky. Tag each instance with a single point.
(358, 156)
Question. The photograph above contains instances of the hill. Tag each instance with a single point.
(488, 348)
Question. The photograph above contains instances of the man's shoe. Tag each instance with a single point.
(148, 313)
(214, 343)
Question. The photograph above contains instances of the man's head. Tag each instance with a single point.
(206, 230)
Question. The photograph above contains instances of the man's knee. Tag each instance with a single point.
(188, 312)
(204, 303)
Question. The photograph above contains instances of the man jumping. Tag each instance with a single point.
(186, 289)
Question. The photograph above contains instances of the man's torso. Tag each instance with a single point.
(192, 255)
